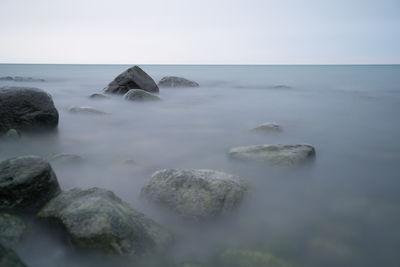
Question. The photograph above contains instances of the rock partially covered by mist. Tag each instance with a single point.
(132, 78)
(238, 257)
(64, 158)
(140, 95)
(173, 81)
(12, 229)
(26, 109)
(97, 219)
(267, 127)
(8, 258)
(195, 194)
(26, 184)
(86, 110)
(21, 79)
(98, 96)
(275, 154)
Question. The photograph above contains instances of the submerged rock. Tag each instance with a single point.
(173, 81)
(12, 134)
(140, 95)
(26, 184)
(21, 79)
(97, 219)
(86, 110)
(236, 257)
(98, 96)
(132, 78)
(275, 154)
(26, 109)
(12, 229)
(195, 194)
(64, 158)
(8, 258)
(267, 127)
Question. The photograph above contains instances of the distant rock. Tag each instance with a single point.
(140, 95)
(98, 96)
(26, 109)
(21, 79)
(195, 194)
(173, 81)
(12, 229)
(97, 219)
(26, 184)
(8, 258)
(267, 127)
(281, 86)
(86, 110)
(132, 78)
(275, 154)
(64, 158)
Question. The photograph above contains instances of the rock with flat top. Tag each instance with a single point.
(173, 81)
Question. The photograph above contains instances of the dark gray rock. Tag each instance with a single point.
(132, 78)
(195, 194)
(98, 96)
(8, 258)
(97, 219)
(173, 81)
(275, 154)
(26, 109)
(86, 110)
(12, 229)
(26, 184)
(140, 95)
(21, 79)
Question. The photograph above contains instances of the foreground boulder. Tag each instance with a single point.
(26, 184)
(97, 219)
(275, 154)
(173, 81)
(8, 258)
(140, 95)
(132, 78)
(12, 229)
(26, 109)
(195, 194)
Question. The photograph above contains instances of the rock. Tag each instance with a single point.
(97, 219)
(140, 95)
(98, 96)
(12, 134)
(237, 257)
(173, 81)
(86, 110)
(64, 158)
(275, 154)
(8, 258)
(21, 79)
(267, 127)
(26, 184)
(195, 194)
(26, 109)
(12, 229)
(132, 78)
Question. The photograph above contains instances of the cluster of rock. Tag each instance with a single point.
(20, 79)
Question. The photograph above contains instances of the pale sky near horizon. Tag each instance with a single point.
(200, 31)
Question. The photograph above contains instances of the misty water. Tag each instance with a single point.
(341, 210)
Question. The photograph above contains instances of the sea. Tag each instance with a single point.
(343, 209)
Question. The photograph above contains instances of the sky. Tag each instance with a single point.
(200, 31)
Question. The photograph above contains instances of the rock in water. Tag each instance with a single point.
(86, 110)
(267, 127)
(26, 184)
(8, 258)
(275, 154)
(132, 78)
(97, 219)
(98, 96)
(173, 81)
(195, 194)
(12, 229)
(25, 109)
(140, 95)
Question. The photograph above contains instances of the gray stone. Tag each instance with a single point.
(173, 81)
(195, 194)
(26, 184)
(98, 96)
(26, 109)
(267, 127)
(8, 258)
(86, 110)
(132, 78)
(12, 229)
(275, 154)
(140, 95)
(12, 134)
(97, 219)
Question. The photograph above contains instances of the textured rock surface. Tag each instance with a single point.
(140, 95)
(173, 81)
(26, 184)
(132, 78)
(86, 110)
(97, 219)
(26, 109)
(12, 229)
(275, 154)
(195, 194)
(8, 258)
(267, 127)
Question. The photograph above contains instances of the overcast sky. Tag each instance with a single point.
(200, 31)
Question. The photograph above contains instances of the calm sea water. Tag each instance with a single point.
(343, 210)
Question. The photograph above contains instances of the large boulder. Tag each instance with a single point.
(195, 194)
(140, 95)
(12, 229)
(8, 258)
(132, 78)
(274, 154)
(173, 81)
(26, 109)
(26, 184)
(97, 219)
